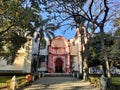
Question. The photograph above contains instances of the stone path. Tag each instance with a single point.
(60, 83)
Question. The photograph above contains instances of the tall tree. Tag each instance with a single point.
(17, 19)
(42, 33)
(95, 48)
(40, 38)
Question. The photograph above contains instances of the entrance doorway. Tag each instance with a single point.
(58, 65)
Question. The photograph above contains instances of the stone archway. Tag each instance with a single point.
(58, 65)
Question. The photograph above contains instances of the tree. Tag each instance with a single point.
(15, 43)
(95, 48)
(17, 20)
(39, 39)
(115, 49)
(115, 53)
(42, 33)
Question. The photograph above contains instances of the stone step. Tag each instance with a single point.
(57, 74)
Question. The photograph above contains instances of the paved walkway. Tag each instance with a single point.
(60, 83)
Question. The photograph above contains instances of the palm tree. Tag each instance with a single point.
(41, 34)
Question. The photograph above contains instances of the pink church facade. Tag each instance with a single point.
(59, 55)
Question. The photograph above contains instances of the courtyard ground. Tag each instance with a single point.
(60, 83)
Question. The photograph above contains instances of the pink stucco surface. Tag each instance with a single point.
(59, 50)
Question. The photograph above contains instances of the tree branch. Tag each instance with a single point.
(106, 12)
(98, 14)
(90, 10)
(2, 32)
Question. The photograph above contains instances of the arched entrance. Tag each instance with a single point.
(58, 65)
(59, 56)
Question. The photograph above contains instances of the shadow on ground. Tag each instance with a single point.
(59, 83)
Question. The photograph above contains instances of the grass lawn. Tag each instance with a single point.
(96, 81)
(5, 79)
(116, 80)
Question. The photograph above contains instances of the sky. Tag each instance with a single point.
(71, 33)
(68, 35)
(60, 32)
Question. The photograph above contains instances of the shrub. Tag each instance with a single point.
(95, 81)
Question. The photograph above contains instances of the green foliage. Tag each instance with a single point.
(5, 78)
(112, 45)
(95, 81)
(116, 80)
(17, 19)
(15, 43)
(94, 53)
(115, 50)
(117, 33)
(4, 81)
(115, 85)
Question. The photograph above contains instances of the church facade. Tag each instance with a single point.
(59, 56)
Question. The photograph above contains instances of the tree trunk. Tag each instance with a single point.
(105, 57)
(85, 62)
(81, 33)
(80, 56)
(84, 42)
(38, 56)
